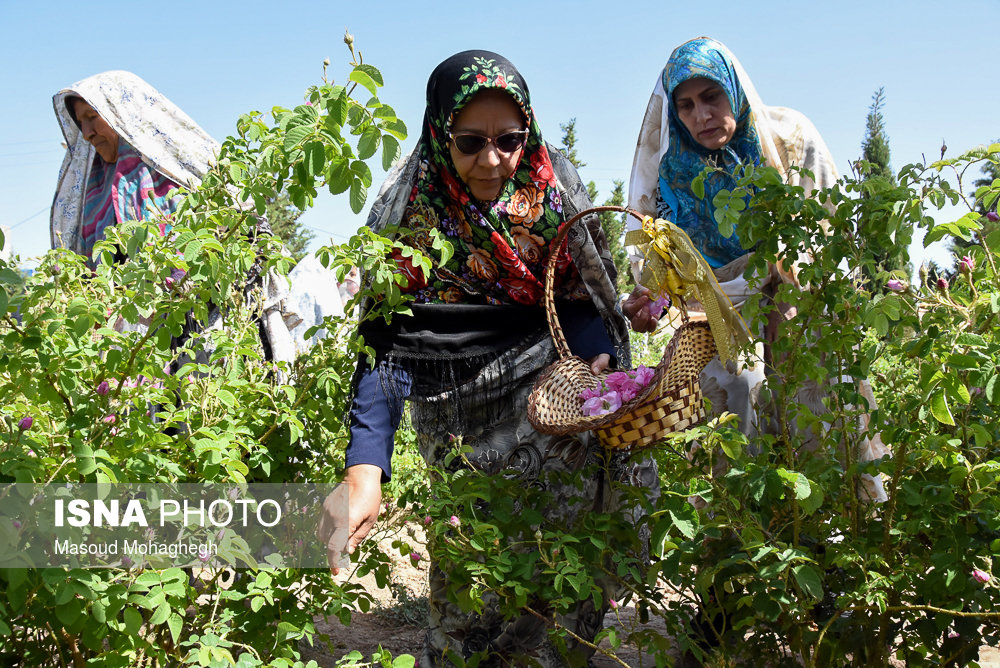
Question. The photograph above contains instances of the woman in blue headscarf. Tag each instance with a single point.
(704, 111)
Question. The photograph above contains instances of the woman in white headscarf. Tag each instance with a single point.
(128, 150)
(704, 111)
(127, 147)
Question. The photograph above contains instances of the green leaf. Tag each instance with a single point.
(133, 621)
(359, 193)
(237, 171)
(939, 407)
(175, 623)
(698, 186)
(935, 234)
(396, 127)
(160, 615)
(296, 136)
(808, 579)
(971, 340)
(390, 151)
(192, 250)
(363, 172)
(796, 482)
(315, 158)
(372, 72)
(359, 76)
(368, 143)
(403, 661)
(226, 397)
(686, 527)
(960, 361)
(982, 436)
(338, 176)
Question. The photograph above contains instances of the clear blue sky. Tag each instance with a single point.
(595, 61)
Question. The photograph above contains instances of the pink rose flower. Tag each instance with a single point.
(896, 285)
(655, 308)
(643, 375)
(590, 393)
(593, 406)
(415, 557)
(616, 380)
(629, 390)
(612, 402)
(454, 521)
(966, 264)
(427, 520)
(110, 419)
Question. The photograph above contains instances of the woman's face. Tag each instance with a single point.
(96, 131)
(489, 114)
(704, 110)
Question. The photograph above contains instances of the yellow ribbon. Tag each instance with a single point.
(673, 267)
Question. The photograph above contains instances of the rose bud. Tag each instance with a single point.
(992, 216)
(103, 388)
(896, 285)
(25, 423)
(980, 576)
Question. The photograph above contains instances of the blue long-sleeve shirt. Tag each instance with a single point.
(375, 416)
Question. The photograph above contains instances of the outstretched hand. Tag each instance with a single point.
(364, 484)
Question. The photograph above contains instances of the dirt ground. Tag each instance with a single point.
(395, 625)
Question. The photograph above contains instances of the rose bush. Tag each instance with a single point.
(98, 385)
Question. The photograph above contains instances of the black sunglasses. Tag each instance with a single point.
(470, 143)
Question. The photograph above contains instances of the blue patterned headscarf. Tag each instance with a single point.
(685, 158)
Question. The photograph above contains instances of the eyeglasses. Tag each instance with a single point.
(470, 143)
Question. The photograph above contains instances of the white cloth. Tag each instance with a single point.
(314, 295)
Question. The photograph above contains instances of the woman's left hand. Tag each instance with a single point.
(600, 363)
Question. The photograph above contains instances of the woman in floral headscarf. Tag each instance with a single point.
(482, 177)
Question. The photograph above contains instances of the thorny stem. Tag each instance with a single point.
(576, 637)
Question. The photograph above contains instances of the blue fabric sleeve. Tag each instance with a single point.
(374, 419)
(584, 329)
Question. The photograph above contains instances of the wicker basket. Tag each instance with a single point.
(672, 401)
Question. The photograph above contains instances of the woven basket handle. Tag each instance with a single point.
(562, 347)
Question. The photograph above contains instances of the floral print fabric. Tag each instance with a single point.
(501, 247)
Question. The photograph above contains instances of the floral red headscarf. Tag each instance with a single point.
(501, 247)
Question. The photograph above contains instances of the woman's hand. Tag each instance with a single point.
(636, 309)
(599, 363)
(364, 499)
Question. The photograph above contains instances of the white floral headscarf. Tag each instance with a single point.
(168, 140)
